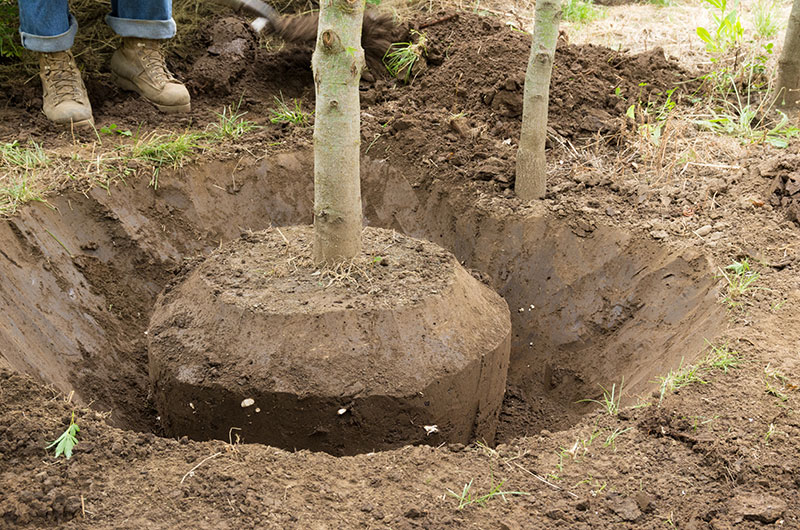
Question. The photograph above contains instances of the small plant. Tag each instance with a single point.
(764, 21)
(467, 497)
(231, 123)
(114, 129)
(611, 400)
(721, 358)
(401, 57)
(294, 115)
(728, 31)
(776, 383)
(68, 439)
(580, 11)
(769, 433)
(741, 277)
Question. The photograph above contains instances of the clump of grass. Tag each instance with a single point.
(65, 443)
(581, 11)
(165, 150)
(401, 57)
(468, 497)
(611, 440)
(679, 378)
(9, 22)
(22, 157)
(722, 358)
(295, 115)
(231, 124)
(610, 400)
(776, 383)
(740, 279)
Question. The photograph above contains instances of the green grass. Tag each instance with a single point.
(19, 163)
(740, 279)
(580, 11)
(765, 18)
(295, 115)
(165, 150)
(611, 440)
(468, 497)
(679, 378)
(9, 37)
(231, 124)
(722, 358)
(719, 358)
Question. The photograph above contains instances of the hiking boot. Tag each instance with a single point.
(139, 66)
(64, 94)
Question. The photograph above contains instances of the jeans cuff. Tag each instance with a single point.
(49, 44)
(142, 29)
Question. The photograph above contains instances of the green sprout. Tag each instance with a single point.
(68, 439)
(401, 57)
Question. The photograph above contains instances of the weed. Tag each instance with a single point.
(611, 440)
(294, 115)
(14, 191)
(728, 31)
(68, 439)
(764, 21)
(114, 129)
(231, 123)
(467, 497)
(401, 57)
(581, 11)
(610, 400)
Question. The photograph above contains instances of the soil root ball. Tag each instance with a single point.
(400, 346)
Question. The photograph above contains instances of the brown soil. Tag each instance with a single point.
(610, 276)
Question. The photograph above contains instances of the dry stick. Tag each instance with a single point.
(203, 461)
(543, 480)
(531, 162)
(438, 21)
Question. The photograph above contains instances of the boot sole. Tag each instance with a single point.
(168, 109)
(78, 124)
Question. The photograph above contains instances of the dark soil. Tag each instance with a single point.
(610, 276)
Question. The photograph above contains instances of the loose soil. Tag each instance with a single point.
(614, 274)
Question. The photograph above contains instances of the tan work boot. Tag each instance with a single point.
(65, 99)
(139, 66)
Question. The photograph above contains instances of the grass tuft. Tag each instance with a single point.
(286, 114)
(468, 497)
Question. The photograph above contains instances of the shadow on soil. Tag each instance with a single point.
(591, 305)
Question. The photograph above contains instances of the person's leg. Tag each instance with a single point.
(139, 65)
(145, 19)
(47, 27)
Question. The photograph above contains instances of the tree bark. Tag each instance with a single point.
(337, 63)
(788, 87)
(531, 181)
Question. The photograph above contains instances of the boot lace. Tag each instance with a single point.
(155, 64)
(63, 78)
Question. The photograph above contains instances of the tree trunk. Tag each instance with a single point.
(337, 63)
(789, 64)
(531, 179)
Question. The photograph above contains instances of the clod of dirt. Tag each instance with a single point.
(362, 357)
(784, 190)
(230, 53)
(757, 507)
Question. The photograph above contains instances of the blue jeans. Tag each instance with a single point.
(48, 26)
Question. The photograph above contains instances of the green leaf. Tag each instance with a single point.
(631, 112)
(705, 35)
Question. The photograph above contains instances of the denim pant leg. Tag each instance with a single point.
(144, 19)
(46, 25)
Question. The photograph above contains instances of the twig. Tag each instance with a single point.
(203, 461)
(438, 21)
(543, 480)
(283, 236)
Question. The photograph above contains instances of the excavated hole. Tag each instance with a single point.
(590, 306)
